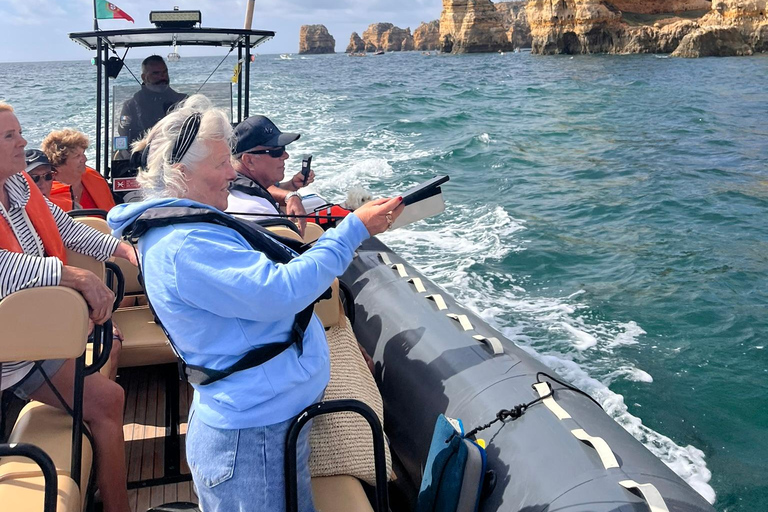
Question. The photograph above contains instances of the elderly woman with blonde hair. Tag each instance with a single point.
(230, 297)
(77, 185)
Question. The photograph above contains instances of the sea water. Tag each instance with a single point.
(607, 213)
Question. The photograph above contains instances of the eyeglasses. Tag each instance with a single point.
(47, 176)
(274, 153)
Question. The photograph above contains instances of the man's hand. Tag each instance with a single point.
(99, 298)
(293, 207)
(126, 252)
(298, 180)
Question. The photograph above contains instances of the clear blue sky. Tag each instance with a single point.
(36, 30)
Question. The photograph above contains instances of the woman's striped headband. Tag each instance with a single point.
(189, 129)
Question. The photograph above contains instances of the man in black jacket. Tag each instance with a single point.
(151, 103)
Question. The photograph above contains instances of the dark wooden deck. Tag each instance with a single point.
(154, 449)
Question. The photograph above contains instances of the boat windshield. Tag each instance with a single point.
(136, 109)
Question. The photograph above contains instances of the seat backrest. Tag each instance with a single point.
(330, 311)
(43, 323)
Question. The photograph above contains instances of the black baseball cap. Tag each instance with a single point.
(260, 131)
(35, 158)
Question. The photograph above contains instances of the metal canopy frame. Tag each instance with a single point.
(104, 41)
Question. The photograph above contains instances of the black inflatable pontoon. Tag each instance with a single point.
(433, 356)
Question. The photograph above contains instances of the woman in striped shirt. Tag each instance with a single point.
(31, 267)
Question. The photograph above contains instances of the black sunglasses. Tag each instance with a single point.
(274, 153)
(47, 176)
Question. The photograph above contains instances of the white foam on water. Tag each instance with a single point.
(484, 138)
(582, 340)
(628, 336)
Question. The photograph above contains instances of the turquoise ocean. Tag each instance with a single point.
(608, 213)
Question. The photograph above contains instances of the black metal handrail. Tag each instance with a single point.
(330, 407)
(42, 459)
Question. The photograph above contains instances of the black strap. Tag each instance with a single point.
(246, 185)
(260, 239)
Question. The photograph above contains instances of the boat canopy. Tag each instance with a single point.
(139, 37)
(105, 41)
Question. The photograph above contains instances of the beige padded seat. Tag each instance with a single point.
(145, 342)
(25, 493)
(28, 336)
(329, 311)
(341, 493)
(49, 429)
(312, 232)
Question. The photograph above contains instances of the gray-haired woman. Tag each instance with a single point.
(220, 299)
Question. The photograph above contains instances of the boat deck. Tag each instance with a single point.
(154, 436)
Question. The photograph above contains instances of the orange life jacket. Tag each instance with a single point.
(62, 196)
(96, 186)
(42, 219)
(328, 216)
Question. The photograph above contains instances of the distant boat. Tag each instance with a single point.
(379, 52)
(285, 56)
(353, 54)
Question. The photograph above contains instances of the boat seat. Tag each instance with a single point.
(28, 336)
(329, 311)
(145, 342)
(312, 232)
(25, 493)
(50, 429)
(341, 493)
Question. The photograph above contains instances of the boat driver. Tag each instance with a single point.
(259, 160)
(151, 103)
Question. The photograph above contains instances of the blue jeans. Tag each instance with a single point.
(244, 470)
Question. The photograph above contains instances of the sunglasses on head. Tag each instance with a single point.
(274, 153)
(47, 176)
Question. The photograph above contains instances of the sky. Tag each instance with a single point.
(36, 30)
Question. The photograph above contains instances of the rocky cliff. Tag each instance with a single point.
(514, 18)
(316, 39)
(661, 6)
(470, 26)
(732, 27)
(427, 36)
(356, 44)
(387, 37)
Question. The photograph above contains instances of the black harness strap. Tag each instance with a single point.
(276, 248)
(247, 186)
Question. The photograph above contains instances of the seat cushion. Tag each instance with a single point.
(341, 493)
(49, 429)
(25, 494)
(145, 342)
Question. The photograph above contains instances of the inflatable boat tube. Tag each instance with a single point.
(433, 356)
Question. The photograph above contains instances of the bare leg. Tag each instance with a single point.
(103, 403)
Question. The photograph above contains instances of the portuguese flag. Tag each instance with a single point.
(109, 11)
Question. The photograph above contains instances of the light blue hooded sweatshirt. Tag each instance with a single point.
(218, 298)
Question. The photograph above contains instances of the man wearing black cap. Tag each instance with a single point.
(259, 159)
(40, 170)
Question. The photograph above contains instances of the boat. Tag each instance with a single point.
(286, 56)
(379, 52)
(432, 356)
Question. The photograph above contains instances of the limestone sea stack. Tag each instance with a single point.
(388, 38)
(315, 39)
(515, 19)
(356, 44)
(426, 37)
(472, 26)
(732, 27)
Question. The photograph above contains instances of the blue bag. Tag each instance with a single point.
(454, 472)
